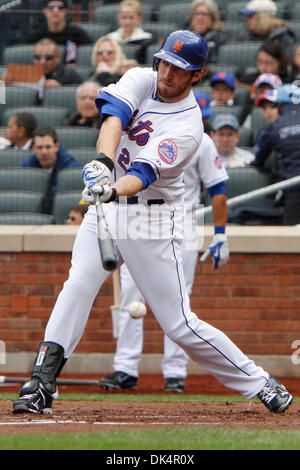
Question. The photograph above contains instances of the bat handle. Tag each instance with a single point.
(205, 255)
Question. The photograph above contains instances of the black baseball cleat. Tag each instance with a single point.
(275, 396)
(34, 398)
(174, 385)
(118, 380)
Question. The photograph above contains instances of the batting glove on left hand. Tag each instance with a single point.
(95, 172)
(218, 249)
(107, 193)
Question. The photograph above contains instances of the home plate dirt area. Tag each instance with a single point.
(91, 416)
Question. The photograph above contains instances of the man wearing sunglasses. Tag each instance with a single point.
(47, 54)
(60, 30)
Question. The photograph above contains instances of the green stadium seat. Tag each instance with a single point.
(233, 28)
(176, 13)
(240, 54)
(11, 158)
(21, 54)
(158, 29)
(18, 96)
(82, 155)
(77, 136)
(63, 203)
(45, 116)
(84, 55)
(20, 201)
(84, 71)
(246, 137)
(26, 219)
(244, 180)
(258, 122)
(107, 14)
(24, 179)
(64, 96)
(295, 27)
(236, 110)
(95, 30)
(149, 53)
(69, 180)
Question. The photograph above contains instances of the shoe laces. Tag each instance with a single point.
(267, 394)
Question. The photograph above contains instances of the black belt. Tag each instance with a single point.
(150, 202)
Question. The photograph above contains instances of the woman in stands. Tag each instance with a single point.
(107, 57)
(204, 19)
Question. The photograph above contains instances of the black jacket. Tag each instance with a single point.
(282, 34)
(283, 137)
(214, 38)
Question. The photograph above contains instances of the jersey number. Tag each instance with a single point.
(124, 159)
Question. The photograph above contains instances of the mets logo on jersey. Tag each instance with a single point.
(218, 162)
(167, 150)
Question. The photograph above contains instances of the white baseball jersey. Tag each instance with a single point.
(206, 166)
(153, 135)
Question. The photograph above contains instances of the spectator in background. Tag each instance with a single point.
(204, 19)
(296, 65)
(20, 130)
(223, 89)
(262, 24)
(204, 104)
(107, 57)
(87, 114)
(269, 108)
(130, 32)
(76, 214)
(270, 58)
(60, 30)
(225, 134)
(283, 137)
(47, 54)
(50, 155)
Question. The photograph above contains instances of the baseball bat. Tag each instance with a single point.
(21, 380)
(106, 246)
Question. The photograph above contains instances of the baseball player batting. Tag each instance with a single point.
(205, 167)
(151, 128)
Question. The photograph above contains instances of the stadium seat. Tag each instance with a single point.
(45, 116)
(69, 180)
(64, 96)
(11, 158)
(77, 136)
(82, 155)
(107, 14)
(95, 30)
(158, 29)
(295, 13)
(21, 54)
(149, 53)
(84, 71)
(236, 110)
(295, 27)
(215, 68)
(233, 28)
(246, 137)
(63, 203)
(176, 13)
(232, 10)
(18, 96)
(244, 180)
(26, 219)
(24, 179)
(20, 201)
(258, 122)
(84, 55)
(240, 54)
(130, 51)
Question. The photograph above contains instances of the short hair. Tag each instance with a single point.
(136, 4)
(44, 131)
(88, 82)
(48, 42)
(26, 120)
(81, 208)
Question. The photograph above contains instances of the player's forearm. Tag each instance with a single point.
(109, 136)
(220, 211)
(128, 185)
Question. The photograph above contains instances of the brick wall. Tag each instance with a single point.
(255, 299)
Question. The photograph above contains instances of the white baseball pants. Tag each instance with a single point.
(157, 270)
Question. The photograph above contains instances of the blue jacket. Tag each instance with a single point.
(283, 137)
(64, 161)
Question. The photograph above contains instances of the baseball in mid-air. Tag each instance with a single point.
(137, 310)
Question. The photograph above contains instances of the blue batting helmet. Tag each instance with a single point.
(184, 49)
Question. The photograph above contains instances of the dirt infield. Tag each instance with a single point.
(91, 416)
